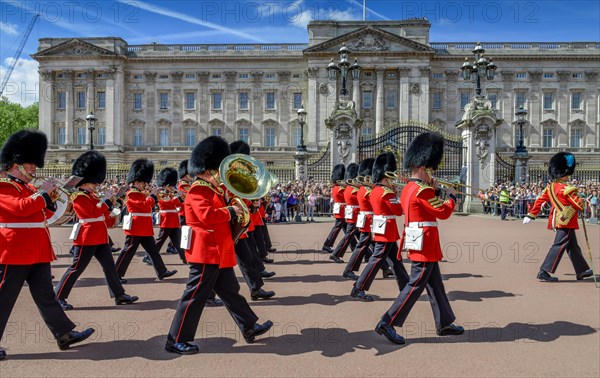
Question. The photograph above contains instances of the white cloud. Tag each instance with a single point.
(23, 85)
(8, 28)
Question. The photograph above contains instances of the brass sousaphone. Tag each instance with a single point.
(247, 178)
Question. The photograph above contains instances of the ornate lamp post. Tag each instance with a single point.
(521, 114)
(344, 69)
(301, 121)
(521, 155)
(481, 67)
(91, 121)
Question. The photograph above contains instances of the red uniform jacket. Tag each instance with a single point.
(20, 203)
(565, 195)
(184, 187)
(337, 193)
(420, 204)
(140, 203)
(350, 197)
(206, 212)
(363, 196)
(89, 206)
(257, 219)
(169, 217)
(385, 202)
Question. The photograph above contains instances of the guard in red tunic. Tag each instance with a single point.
(563, 218)
(140, 201)
(182, 187)
(169, 204)
(25, 246)
(90, 233)
(386, 207)
(211, 252)
(337, 193)
(422, 207)
(351, 210)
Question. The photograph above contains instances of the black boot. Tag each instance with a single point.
(73, 337)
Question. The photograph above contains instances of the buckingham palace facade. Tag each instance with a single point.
(159, 100)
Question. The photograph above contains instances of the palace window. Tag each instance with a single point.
(297, 100)
(190, 137)
(243, 76)
(390, 100)
(270, 100)
(80, 100)
(576, 138)
(366, 131)
(163, 137)
(296, 136)
(164, 101)
(101, 100)
(190, 100)
(493, 97)
(578, 75)
(548, 75)
(137, 101)
(62, 100)
(81, 135)
(137, 137)
(521, 75)
(367, 99)
(437, 75)
(520, 98)
(216, 131)
(270, 137)
(548, 101)
(217, 103)
(436, 100)
(62, 136)
(243, 100)
(101, 136)
(576, 101)
(465, 98)
(548, 138)
(190, 76)
(244, 134)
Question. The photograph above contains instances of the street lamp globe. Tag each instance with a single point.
(301, 121)
(91, 119)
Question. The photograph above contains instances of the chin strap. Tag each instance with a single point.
(24, 172)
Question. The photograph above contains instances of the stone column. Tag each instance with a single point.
(150, 108)
(176, 125)
(379, 110)
(283, 107)
(521, 167)
(47, 106)
(301, 163)
(256, 99)
(356, 95)
(229, 106)
(508, 106)
(90, 97)
(404, 94)
(423, 94)
(203, 105)
(563, 106)
(451, 96)
(591, 109)
(69, 105)
(312, 109)
(535, 110)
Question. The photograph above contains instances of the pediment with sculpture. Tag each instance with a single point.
(74, 48)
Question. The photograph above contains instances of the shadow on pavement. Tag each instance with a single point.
(138, 306)
(324, 299)
(97, 281)
(461, 275)
(309, 279)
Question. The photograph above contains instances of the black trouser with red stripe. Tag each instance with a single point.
(424, 275)
(175, 235)
(348, 240)
(340, 224)
(381, 252)
(131, 245)
(363, 248)
(181, 223)
(39, 279)
(565, 240)
(203, 279)
(254, 251)
(259, 238)
(248, 265)
(81, 258)
(266, 236)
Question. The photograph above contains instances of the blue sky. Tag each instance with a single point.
(252, 21)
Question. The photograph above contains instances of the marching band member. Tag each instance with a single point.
(182, 187)
(211, 253)
(90, 234)
(351, 210)
(25, 246)
(421, 207)
(386, 207)
(138, 224)
(169, 203)
(563, 218)
(337, 193)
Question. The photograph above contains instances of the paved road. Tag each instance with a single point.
(516, 326)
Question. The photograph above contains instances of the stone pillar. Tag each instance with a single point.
(284, 100)
(563, 106)
(423, 94)
(256, 107)
(521, 167)
(534, 108)
(204, 105)
(150, 113)
(69, 105)
(301, 163)
(356, 95)
(176, 138)
(90, 97)
(592, 111)
(379, 109)
(114, 132)
(47, 106)
(312, 109)
(404, 95)
(229, 105)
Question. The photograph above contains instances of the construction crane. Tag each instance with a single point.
(17, 54)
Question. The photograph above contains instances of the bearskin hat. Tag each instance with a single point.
(338, 173)
(182, 170)
(91, 166)
(383, 163)
(167, 176)
(239, 147)
(141, 170)
(426, 150)
(24, 146)
(208, 154)
(366, 167)
(351, 171)
(561, 164)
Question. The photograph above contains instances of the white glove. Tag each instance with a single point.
(527, 220)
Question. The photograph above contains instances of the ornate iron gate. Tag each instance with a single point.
(505, 171)
(319, 166)
(397, 139)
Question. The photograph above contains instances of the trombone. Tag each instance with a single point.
(365, 181)
(456, 185)
(398, 180)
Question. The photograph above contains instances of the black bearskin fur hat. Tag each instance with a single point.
(351, 171)
(24, 146)
(426, 150)
(338, 173)
(91, 166)
(366, 167)
(240, 147)
(208, 154)
(383, 163)
(167, 176)
(183, 169)
(561, 164)
(141, 170)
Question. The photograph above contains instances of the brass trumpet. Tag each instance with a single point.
(365, 181)
(398, 180)
(457, 185)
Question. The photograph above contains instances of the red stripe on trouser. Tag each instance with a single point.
(65, 281)
(408, 296)
(344, 246)
(560, 252)
(124, 254)
(361, 254)
(4, 276)
(188, 305)
(372, 268)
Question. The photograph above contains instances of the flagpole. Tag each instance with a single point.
(364, 10)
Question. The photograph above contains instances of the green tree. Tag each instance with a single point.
(14, 117)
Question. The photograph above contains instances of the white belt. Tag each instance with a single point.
(24, 225)
(90, 220)
(169, 211)
(366, 212)
(140, 214)
(422, 224)
(352, 206)
(341, 203)
(386, 216)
